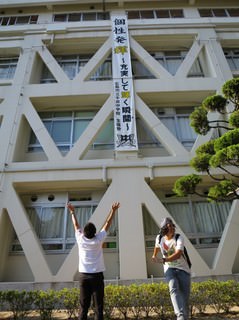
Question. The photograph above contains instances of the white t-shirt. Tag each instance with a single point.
(168, 247)
(91, 258)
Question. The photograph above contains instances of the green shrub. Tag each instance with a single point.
(109, 301)
(121, 301)
(2, 300)
(220, 294)
(132, 301)
(137, 301)
(198, 302)
(18, 302)
(45, 302)
(69, 299)
(162, 303)
(146, 299)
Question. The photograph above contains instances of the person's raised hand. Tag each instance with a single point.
(115, 206)
(70, 207)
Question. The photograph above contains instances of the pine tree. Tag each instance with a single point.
(219, 157)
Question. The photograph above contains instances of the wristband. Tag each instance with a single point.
(72, 212)
(164, 260)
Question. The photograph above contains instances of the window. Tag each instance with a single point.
(89, 16)
(61, 17)
(66, 127)
(7, 21)
(53, 225)
(154, 14)
(133, 14)
(8, 67)
(217, 12)
(74, 17)
(81, 16)
(139, 71)
(144, 14)
(146, 139)
(74, 63)
(54, 228)
(147, 14)
(70, 64)
(232, 56)
(163, 14)
(176, 13)
(46, 76)
(179, 124)
(203, 222)
(196, 70)
(233, 12)
(171, 60)
(104, 72)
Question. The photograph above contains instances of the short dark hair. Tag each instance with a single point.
(89, 230)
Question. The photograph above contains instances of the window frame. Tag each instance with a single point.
(161, 114)
(16, 20)
(66, 243)
(166, 57)
(108, 144)
(231, 55)
(198, 239)
(72, 118)
(82, 16)
(79, 61)
(155, 14)
(11, 64)
(213, 12)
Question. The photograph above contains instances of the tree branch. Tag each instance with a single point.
(222, 127)
(225, 170)
(214, 178)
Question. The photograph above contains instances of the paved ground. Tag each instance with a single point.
(63, 316)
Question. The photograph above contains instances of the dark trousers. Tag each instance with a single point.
(91, 285)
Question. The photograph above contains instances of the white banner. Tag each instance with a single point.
(124, 110)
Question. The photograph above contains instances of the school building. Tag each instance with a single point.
(95, 100)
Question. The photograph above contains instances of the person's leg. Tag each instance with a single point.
(98, 296)
(85, 295)
(185, 288)
(174, 290)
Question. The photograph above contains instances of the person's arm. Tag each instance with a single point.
(110, 217)
(73, 217)
(154, 256)
(176, 255)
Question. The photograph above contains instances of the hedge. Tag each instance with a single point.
(142, 301)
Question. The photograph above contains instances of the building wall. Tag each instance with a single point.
(135, 179)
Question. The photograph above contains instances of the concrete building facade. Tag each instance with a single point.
(57, 134)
